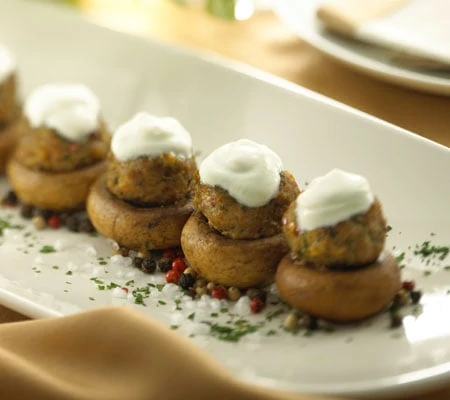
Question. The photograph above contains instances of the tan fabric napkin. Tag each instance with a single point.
(417, 31)
(112, 353)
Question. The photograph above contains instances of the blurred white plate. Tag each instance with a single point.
(219, 101)
(300, 16)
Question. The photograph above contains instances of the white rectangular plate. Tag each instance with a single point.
(217, 102)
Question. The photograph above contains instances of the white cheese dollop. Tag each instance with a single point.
(7, 63)
(71, 109)
(333, 198)
(147, 135)
(248, 171)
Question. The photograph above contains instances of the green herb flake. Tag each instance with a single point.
(427, 273)
(191, 316)
(91, 298)
(139, 299)
(4, 224)
(224, 310)
(160, 286)
(232, 334)
(47, 249)
(55, 267)
(68, 283)
(112, 285)
(270, 316)
(178, 302)
(162, 302)
(174, 327)
(103, 262)
(214, 315)
(69, 273)
(426, 249)
(66, 291)
(130, 283)
(447, 268)
(272, 332)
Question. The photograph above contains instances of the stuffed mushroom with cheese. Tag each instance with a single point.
(9, 108)
(234, 237)
(337, 268)
(144, 199)
(62, 148)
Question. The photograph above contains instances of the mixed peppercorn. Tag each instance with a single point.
(74, 221)
(173, 265)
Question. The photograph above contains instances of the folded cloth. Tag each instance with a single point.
(113, 353)
(418, 30)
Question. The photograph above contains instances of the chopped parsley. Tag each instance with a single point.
(47, 249)
(69, 273)
(426, 249)
(91, 298)
(55, 267)
(230, 333)
(6, 224)
(191, 316)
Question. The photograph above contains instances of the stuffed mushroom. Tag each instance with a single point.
(9, 107)
(144, 199)
(337, 268)
(62, 148)
(234, 237)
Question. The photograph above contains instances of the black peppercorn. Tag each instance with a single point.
(309, 322)
(396, 320)
(186, 281)
(63, 217)
(137, 261)
(148, 265)
(416, 295)
(10, 199)
(39, 212)
(86, 226)
(26, 211)
(72, 223)
(165, 264)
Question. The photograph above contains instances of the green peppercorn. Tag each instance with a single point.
(39, 222)
(290, 323)
(234, 293)
(200, 291)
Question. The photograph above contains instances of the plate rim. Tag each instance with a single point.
(371, 67)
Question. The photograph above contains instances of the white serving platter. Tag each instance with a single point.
(219, 101)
